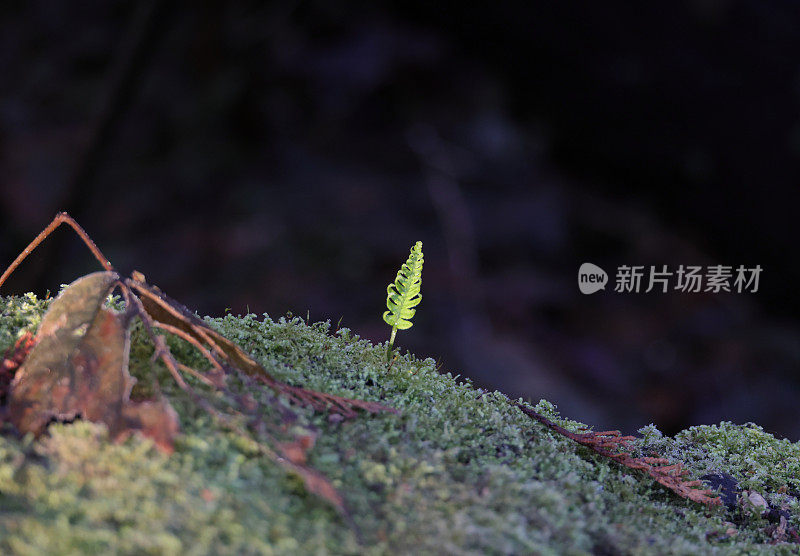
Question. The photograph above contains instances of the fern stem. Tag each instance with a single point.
(391, 344)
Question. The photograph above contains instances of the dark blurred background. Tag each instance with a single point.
(285, 156)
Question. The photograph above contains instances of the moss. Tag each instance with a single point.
(460, 471)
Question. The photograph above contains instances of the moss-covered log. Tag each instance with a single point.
(459, 471)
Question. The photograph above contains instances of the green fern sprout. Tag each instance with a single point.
(403, 295)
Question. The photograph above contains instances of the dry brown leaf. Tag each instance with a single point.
(611, 444)
(79, 368)
(12, 360)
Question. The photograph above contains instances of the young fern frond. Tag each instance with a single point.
(403, 295)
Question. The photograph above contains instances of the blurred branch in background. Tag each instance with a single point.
(127, 75)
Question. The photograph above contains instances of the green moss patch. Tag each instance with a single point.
(460, 471)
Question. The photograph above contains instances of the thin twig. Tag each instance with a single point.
(198, 375)
(191, 339)
(178, 315)
(60, 218)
